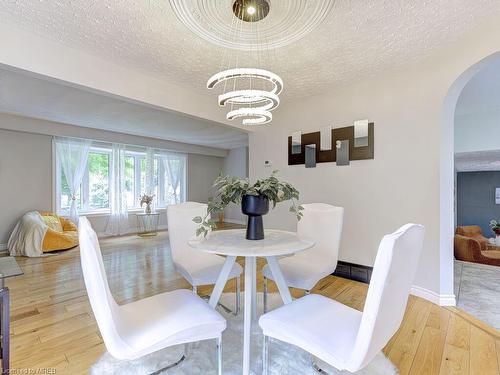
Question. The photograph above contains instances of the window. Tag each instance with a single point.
(96, 182)
(130, 180)
(94, 192)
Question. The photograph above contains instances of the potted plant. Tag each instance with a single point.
(147, 200)
(254, 199)
(495, 227)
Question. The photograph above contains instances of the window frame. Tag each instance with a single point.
(131, 152)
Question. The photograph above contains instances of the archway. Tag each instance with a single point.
(447, 177)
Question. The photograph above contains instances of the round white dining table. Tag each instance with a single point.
(232, 243)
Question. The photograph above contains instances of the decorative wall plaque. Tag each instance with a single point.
(360, 145)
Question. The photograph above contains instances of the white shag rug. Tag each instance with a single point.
(201, 357)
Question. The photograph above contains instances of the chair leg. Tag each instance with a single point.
(265, 355)
(177, 363)
(265, 294)
(195, 289)
(219, 355)
(238, 292)
(316, 367)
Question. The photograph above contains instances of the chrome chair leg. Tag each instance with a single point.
(265, 294)
(219, 355)
(195, 289)
(316, 367)
(178, 362)
(265, 355)
(238, 292)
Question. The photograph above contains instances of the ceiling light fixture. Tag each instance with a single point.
(252, 93)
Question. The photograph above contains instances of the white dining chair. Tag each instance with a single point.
(344, 337)
(139, 328)
(197, 267)
(323, 224)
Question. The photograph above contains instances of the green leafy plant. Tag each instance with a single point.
(232, 189)
(495, 227)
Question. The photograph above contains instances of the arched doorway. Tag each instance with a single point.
(447, 174)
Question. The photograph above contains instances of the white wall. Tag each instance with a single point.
(399, 186)
(477, 131)
(236, 164)
(477, 116)
(44, 56)
(411, 177)
(202, 171)
(26, 177)
(37, 126)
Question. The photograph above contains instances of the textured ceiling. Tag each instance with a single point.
(53, 101)
(360, 38)
(289, 21)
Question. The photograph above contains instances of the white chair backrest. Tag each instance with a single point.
(181, 228)
(103, 304)
(393, 273)
(323, 224)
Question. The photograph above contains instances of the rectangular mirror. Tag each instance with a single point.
(310, 156)
(343, 152)
(361, 133)
(296, 142)
(326, 138)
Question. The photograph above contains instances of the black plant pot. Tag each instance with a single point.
(255, 206)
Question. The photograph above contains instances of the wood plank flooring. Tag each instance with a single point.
(53, 326)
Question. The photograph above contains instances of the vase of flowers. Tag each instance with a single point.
(495, 227)
(254, 199)
(147, 200)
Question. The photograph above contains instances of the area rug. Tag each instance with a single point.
(477, 289)
(201, 357)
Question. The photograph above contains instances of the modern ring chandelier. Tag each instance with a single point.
(252, 93)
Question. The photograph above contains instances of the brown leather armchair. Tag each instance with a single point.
(472, 246)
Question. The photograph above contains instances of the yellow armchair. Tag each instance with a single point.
(61, 234)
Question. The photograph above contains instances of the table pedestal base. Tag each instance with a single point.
(250, 306)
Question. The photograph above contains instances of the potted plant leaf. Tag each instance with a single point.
(254, 199)
(495, 227)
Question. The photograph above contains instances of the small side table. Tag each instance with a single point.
(147, 224)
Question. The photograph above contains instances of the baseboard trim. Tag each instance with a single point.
(129, 232)
(363, 274)
(352, 271)
(429, 295)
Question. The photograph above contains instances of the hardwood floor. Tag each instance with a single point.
(53, 326)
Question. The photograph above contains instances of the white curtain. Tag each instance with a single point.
(150, 164)
(73, 154)
(118, 220)
(174, 165)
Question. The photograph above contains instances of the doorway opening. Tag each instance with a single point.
(471, 187)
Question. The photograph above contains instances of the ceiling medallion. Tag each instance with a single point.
(251, 10)
(287, 21)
